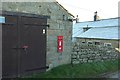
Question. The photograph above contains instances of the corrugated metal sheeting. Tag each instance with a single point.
(103, 29)
(99, 23)
(102, 33)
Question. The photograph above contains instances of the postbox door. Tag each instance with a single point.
(60, 44)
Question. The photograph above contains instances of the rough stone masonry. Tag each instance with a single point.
(84, 52)
(58, 25)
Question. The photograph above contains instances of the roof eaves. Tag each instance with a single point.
(100, 20)
(95, 38)
(64, 8)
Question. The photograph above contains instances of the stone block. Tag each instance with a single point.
(83, 56)
(80, 59)
(90, 61)
(85, 59)
(76, 62)
(105, 57)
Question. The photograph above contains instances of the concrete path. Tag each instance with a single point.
(112, 75)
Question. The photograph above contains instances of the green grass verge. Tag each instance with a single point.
(79, 70)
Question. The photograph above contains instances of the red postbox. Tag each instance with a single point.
(60, 44)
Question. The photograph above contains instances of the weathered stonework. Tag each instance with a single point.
(59, 25)
(114, 43)
(84, 52)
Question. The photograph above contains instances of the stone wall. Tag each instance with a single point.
(59, 25)
(114, 43)
(84, 52)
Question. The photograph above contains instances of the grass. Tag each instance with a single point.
(79, 70)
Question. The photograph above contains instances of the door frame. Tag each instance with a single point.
(0, 50)
(24, 14)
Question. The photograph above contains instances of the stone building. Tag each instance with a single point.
(104, 32)
(96, 41)
(58, 23)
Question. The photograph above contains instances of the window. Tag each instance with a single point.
(90, 42)
(97, 43)
(83, 42)
(107, 44)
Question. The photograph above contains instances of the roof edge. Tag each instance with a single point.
(63, 8)
(95, 38)
(100, 20)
